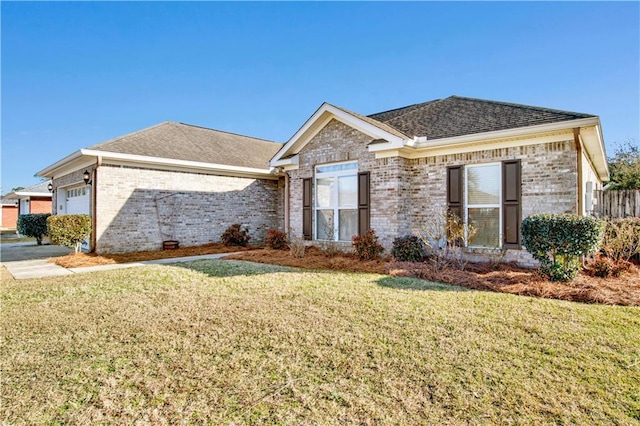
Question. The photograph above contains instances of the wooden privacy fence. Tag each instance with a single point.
(614, 204)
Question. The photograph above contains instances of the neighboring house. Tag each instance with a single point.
(171, 181)
(493, 163)
(31, 200)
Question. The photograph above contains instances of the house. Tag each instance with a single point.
(171, 181)
(492, 163)
(31, 200)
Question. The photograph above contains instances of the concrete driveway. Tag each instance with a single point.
(13, 252)
(28, 260)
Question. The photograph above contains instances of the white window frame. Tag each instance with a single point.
(468, 206)
(336, 207)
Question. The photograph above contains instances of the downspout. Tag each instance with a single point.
(94, 198)
(576, 139)
(286, 203)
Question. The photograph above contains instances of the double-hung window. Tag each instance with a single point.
(483, 210)
(336, 201)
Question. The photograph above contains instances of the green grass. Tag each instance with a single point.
(226, 342)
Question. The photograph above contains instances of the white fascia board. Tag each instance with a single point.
(595, 150)
(170, 162)
(31, 194)
(48, 171)
(321, 117)
(495, 135)
(294, 160)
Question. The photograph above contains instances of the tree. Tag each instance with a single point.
(17, 188)
(624, 166)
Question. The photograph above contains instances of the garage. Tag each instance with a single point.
(78, 200)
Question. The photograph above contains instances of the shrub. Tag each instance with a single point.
(367, 246)
(276, 239)
(236, 235)
(558, 241)
(296, 247)
(69, 230)
(621, 240)
(33, 225)
(409, 248)
(443, 234)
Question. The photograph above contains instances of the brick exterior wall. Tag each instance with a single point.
(389, 186)
(404, 192)
(9, 216)
(40, 205)
(137, 209)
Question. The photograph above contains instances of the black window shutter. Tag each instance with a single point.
(306, 209)
(454, 190)
(511, 204)
(364, 210)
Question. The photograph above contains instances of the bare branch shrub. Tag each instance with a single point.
(444, 234)
(296, 247)
(621, 240)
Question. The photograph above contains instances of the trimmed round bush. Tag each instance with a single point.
(558, 241)
(69, 230)
(409, 248)
(33, 225)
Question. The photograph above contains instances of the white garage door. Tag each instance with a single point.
(78, 200)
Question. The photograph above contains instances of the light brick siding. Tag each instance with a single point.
(404, 192)
(139, 208)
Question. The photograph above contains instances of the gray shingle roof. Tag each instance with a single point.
(40, 187)
(457, 116)
(181, 141)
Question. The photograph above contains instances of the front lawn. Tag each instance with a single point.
(224, 342)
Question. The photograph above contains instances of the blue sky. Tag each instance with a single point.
(76, 74)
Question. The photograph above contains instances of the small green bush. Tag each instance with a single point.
(409, 248)
(367, 246)
(276, 239)
(558, 241)
(33, 225)
(236, 235)
(69, 230)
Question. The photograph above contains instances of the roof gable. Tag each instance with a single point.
(323, 115)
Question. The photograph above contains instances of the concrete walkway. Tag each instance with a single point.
(39, 268)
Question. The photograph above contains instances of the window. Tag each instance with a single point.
(336, 201)
(483, 204)
(77, 192)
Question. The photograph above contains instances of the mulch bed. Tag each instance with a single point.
(504, 278)
(80, 260)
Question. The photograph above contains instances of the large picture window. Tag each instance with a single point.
(336, 201)
(483, 204)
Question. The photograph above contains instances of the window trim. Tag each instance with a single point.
(336, 195)
(468, 206)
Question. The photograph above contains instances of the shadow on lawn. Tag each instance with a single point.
(403, 283)
(230, 268)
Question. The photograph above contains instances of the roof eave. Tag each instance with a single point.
(185, 164)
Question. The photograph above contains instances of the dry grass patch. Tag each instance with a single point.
(78, 260)
(221, 342)
(504, 278)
